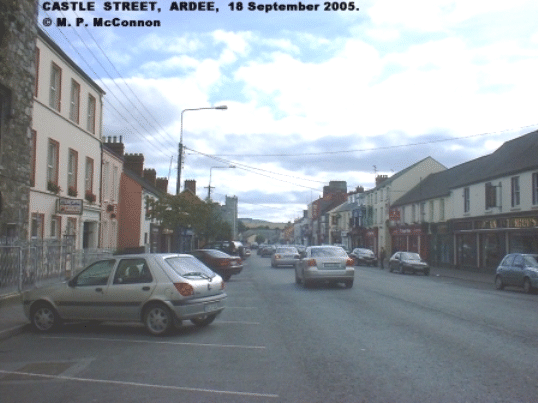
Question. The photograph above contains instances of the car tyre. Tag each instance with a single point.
(527, 286)
(390, 268)
(349, 283)
(44, 317)
(297, 279)
(203, 321)
(158, 319)
(427, 272)
(401, 270)
(226, 277)
(499, 284)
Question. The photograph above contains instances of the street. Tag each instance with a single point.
(390, 338)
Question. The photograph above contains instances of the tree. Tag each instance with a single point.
(260, 239)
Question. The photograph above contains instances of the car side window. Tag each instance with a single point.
(96, 274)
(518, 261)
(132, 271)
(508, 260)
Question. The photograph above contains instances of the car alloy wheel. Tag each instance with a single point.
(203, 321)
(44, 317)
(499, 285)
(157, 319)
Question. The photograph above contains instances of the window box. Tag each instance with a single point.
(53, 187)
(90, 197)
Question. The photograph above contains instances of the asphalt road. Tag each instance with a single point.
(391, 338)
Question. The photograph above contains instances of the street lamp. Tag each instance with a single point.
(180, 148)
(209, 187)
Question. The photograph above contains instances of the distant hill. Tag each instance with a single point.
(255, 223)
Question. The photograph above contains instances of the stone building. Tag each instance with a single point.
(17, 81)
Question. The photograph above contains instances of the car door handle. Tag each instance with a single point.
(146, 288)
(98, 289)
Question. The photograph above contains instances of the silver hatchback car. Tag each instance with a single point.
(160, 290)
(325, 264)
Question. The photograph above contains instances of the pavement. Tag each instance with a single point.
(13, 321)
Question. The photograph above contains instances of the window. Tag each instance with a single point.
(88, 182)
(422, 212)
(37, 225)
(466, 200)
(515, 191)
(535, 188)
(96, 274)
(442, 210)
(105, 180)
(413, 213)
(55, 227)
(72, 172)
(37, 55)
(5, 101)
(91, 114)
(71, 229)
(75, 101)
(52, 163)
(33, 154)
(430, 211)
(55, 87)
(491, 196)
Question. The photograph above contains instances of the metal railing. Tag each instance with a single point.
(25, 264)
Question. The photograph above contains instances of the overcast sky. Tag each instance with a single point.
(312, 96)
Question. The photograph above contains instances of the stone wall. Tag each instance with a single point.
(18, 32)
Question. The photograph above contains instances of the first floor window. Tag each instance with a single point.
(515, 191)
(88, 186)
(72, 170)
(535, 188)
(466, 200)
(52, 162)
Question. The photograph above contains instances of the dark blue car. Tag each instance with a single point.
(518, 269)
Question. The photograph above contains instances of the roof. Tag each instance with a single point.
(512, 157)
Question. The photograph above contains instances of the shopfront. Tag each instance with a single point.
(482, 243)
(410, 238)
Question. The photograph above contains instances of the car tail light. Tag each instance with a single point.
(185, 289)
(350, 262)
(312, 262)
(222, 285)
(224, 262)
(277, 256)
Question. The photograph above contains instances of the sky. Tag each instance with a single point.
(311, 96)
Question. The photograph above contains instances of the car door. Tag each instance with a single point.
(85, 295)
(516, 271)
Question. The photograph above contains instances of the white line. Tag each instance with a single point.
(146, 385)
(158, 342)
(238, 322)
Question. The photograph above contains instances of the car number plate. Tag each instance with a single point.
(211, 307)
(331, 265)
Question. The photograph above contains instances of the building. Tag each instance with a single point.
(229, 214)
(65, 197)
(471, 215)
(18, 30)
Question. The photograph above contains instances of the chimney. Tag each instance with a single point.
(135, 163)
(191, 185)
(150, 176)
(380, 178)
(116, 147)
(162, 184)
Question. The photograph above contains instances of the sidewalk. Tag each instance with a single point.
(13, 321)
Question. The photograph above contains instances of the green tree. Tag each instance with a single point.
(260, 239)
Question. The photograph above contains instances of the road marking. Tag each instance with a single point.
(158, 342)
(239, 322)
(145, 385)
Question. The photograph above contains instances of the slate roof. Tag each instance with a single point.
(514, 156)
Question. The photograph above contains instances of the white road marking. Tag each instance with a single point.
(158, 342)
(145, 385)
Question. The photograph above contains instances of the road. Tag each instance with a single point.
(391, 338)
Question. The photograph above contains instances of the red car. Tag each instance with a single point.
(220, 262)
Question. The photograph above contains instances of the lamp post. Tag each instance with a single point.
(180, 148)
(210, 170)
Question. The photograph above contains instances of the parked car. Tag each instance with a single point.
(159, 290)
(408, 262)
(325, 264)
(364, 257)
(285, 256)
(220, 262)
(518, 269)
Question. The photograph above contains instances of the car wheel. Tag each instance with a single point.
(427, 272)
(158, 319)
(44, 317)
(499, 285)
(203, 321)
(297, 279)
(391, 268)
(349, 283)
(401, 270)
(527, 286)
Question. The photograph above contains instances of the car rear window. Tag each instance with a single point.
(327, 252)
(184, 265)
(216, 253)
(286, 250)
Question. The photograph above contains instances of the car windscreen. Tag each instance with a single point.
(328, 252)
(410, 256)
(189, 266)
(286, 250)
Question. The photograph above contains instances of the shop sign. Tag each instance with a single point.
(523, 222)
(70, 206)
